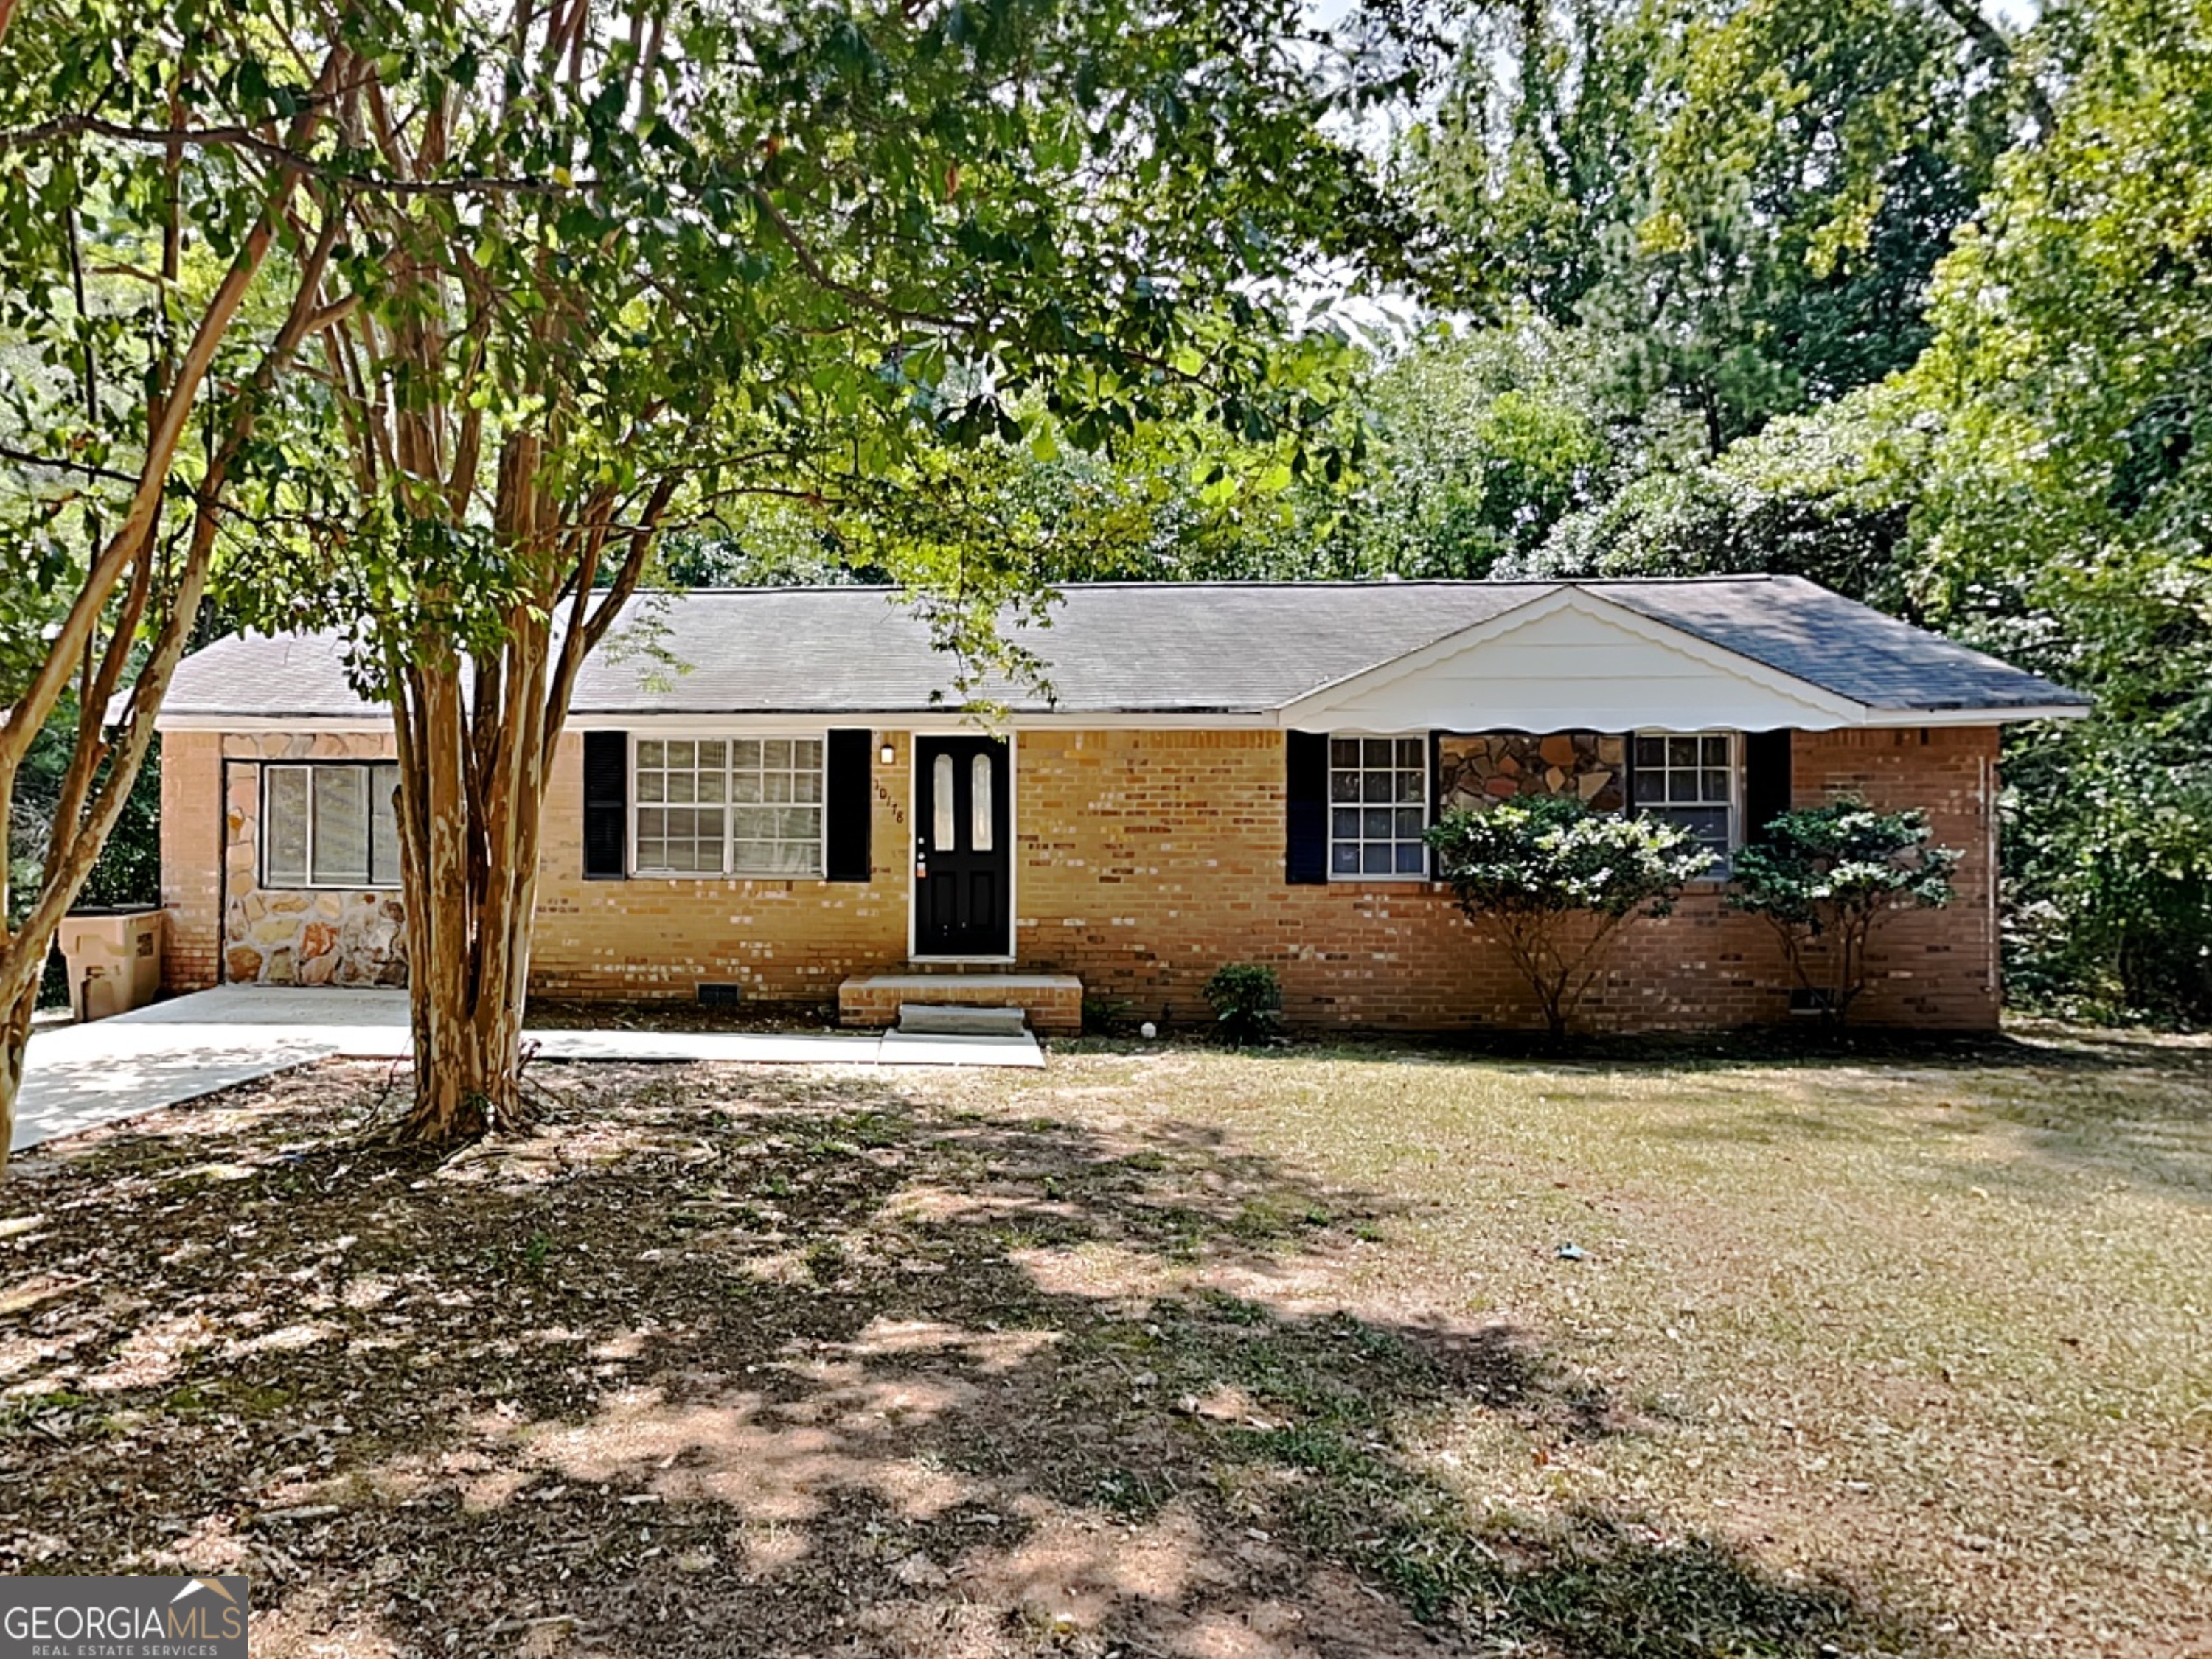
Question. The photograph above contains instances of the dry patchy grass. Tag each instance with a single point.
(1160, 1352)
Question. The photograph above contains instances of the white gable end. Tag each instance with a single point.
(1571, 661)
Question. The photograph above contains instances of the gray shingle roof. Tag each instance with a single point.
(1196, 648)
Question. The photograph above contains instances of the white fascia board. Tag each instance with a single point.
(935, 720)
(203, 722)
(1823, 708)
(1935, 717)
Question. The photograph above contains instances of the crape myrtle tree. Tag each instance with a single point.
(612, 263)
(1824, 876)
(1557, 882)
(153, 287)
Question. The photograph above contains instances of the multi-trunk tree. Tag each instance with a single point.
(162, 249)
(609, 264)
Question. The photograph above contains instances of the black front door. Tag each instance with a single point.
(963, 862)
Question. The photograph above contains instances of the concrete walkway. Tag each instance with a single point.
(76, 1076)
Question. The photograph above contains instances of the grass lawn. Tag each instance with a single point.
(1161, 1353)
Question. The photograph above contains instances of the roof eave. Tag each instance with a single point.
(1978, 714)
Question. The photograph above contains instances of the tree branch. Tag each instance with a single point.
(83, 469)
(860, 296)
(1996, 47)
(284, 156)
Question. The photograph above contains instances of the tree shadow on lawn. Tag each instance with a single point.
(722, 1361)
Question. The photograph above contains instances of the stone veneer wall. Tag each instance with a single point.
(300, 936)
(1479, 768)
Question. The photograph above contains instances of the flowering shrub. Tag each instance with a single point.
(1558, 881)
(1824, 875)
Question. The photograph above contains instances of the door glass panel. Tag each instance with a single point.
(979, 797)
(944, 832)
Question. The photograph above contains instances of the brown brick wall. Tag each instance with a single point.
(1151, 858)
(782, 940)
(1145, 859)
(191, 859)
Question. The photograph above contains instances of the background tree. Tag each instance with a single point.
(2065, 513)
(1556, 882)
(1823, 876)
(1828, 495)
(1740, 202)
(2031, 475)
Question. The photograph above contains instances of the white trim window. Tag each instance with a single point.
(1690, 779)
(737, 806)
(329, 825)
(1378, 809)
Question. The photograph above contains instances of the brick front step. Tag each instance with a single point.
(1054, 1002)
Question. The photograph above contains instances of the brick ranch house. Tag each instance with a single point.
(776, 801)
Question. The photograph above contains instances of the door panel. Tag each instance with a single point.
(964, 858)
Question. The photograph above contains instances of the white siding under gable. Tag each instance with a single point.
(1571, 662)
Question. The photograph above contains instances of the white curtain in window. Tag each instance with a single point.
(340, 844)
(383, 824)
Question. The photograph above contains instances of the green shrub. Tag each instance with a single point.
(1105, 1016)
(1823, 876)
(2112, 911)
(1247, 997)
(1558, 881)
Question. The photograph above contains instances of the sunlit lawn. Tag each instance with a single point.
(1170, 1351)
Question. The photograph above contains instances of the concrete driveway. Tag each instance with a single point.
(77, 1077)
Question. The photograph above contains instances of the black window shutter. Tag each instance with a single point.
(607, 805)
(1766, 780)
(849, 799)
(1306, 857)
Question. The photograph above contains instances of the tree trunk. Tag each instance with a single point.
(119, 591)
(473, 773)
(14, 1042)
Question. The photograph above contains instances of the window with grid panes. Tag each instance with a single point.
(1379, 794)
(742, 806)
(1691, 781)
(330, 826)
(683, 793)
(775, 811)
